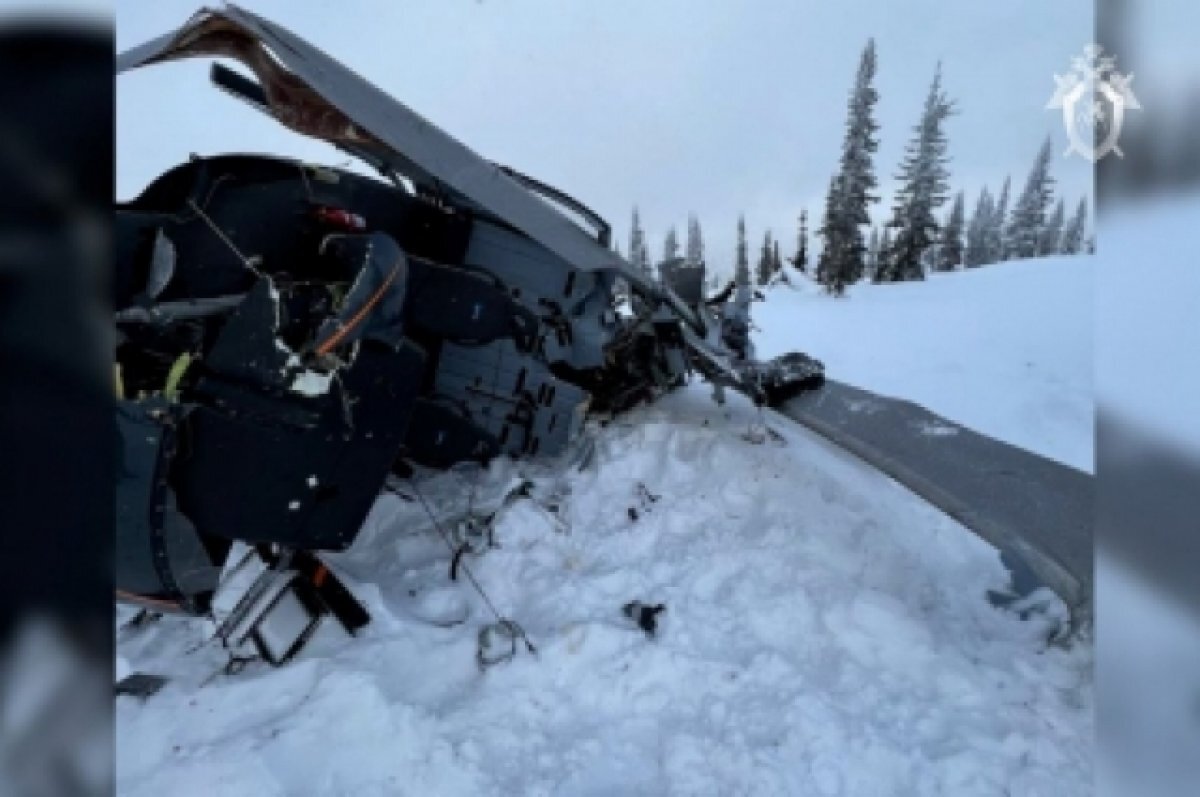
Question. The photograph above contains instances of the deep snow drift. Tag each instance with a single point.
(825, 633)
(1005, 349)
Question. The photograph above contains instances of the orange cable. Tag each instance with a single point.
(357, 318)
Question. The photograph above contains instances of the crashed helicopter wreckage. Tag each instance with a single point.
(293, 338)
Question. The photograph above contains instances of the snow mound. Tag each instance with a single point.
(825, 633)
(1005, 349)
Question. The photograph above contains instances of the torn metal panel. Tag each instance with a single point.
(311, 93)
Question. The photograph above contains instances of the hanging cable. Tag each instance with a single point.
(501, 621)
(249, 264)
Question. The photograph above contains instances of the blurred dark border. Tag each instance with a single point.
(1148, 468)
(57, 438)
(1149, 510)
(1161, 141)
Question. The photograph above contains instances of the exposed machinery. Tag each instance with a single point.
(290, 336)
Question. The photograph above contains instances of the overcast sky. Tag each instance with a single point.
(679, 106)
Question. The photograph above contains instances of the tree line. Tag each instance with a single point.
(914, 240)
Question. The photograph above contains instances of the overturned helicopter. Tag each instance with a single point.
(292, 336)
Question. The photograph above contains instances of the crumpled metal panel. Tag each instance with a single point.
(318, 96)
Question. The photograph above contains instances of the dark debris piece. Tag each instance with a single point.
(645, 494)
(645, 615)
(140, 684)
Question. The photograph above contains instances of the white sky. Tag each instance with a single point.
(715, 108)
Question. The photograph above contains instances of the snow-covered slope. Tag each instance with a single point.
(825, 633)
(1005, 349)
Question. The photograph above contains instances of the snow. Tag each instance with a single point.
(825, 633)
(1005, 349)
(311, 383)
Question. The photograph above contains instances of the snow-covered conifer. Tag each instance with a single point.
(978, 231)
(766, 261)
(800, 259)
(741, 269)
(842, 257)
(923, 181)
(1025, 228)
(950, 247)
(670, 245)
(1073, 235)
(694, 250)
(639, 256)
(1050, 241)
(996, 249)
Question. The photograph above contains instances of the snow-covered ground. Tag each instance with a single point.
(1005, 349)
(826, 633)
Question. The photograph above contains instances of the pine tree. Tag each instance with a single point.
(1073, 235)
(1050, 241)
(800, 259)
(885, 244)
(776, 260)
(996, 249)
(873, 245)
(976, 253)
(670, 245)
(741, 269)
(950, 249)
(639, 257)
(846, 211)
(694, 250)
(1028, 220)
(923, 185)
(766, 261)
(830, 265)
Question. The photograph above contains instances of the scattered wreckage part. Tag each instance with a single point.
(140, 685)
(786, 376)
(503, 626)
(474, 535)
(646, 501)
(335, 597)
(164, 313)
(475, 532)
(497, 643)
(645, 615)
(270, 603)
(264, 611)
(287, 621)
